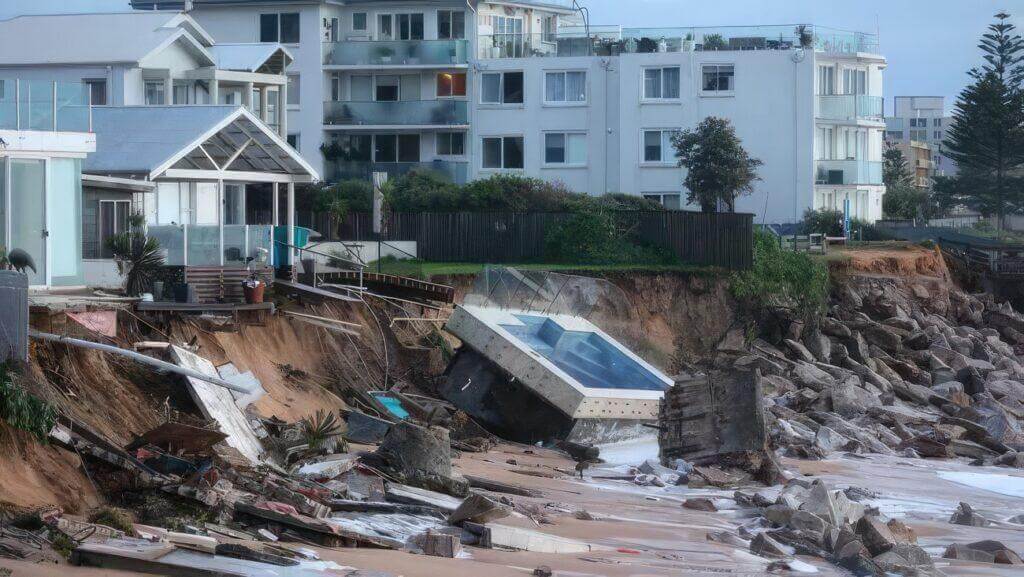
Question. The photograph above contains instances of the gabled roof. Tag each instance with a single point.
(150, 140)
(99, 38)
(256, 57)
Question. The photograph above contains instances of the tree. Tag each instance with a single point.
(895, 171)
(986, 138)
(718, 169)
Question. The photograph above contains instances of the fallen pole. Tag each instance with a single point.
(146, 360)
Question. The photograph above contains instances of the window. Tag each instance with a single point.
(717, 78)
(181, 94)
(565, 86)
(502, 88)
(387, 88)
(155, 92)
(333, 29)
(661, 83)
(451, 143)
(937, 135)
(826, 80)
(508, 36)
(293, 140)
(855, 81)
(283, 28)
(918, 135)
(919, 122)
(451, 84)
(569, 148)
(361, 89)
(658, 146)
(353, 147)
(113, 220)
(396, 148)
(359, 21)
(936, 122)
(400, 26)
(671, 201)
(451, 24)
(503, 152)
(97, 92)
(550, 28)
(293, 90)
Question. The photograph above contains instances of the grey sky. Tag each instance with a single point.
(930, 44)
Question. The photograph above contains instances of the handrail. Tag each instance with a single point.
(330, 256)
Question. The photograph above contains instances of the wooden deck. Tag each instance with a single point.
(392, 285)
(217, 284)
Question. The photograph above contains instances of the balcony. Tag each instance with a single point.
(847, 172)
(616, 40)
(400, 113)
(45, 106)
(395, 53)
(849, 107)
(456, 172)
(199, 244)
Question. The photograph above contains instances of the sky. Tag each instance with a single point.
(929, 44)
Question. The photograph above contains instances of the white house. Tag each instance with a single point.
(44, 137)
(473, 88)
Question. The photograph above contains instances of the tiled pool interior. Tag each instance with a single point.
(586, 356)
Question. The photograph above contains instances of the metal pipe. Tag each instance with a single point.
(146, 360)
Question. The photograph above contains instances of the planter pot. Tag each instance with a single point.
(184, 293)
(253, 294)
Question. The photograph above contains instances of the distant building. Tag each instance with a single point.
(922, 119)
(919, 161)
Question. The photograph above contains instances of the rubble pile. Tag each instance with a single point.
(892, 370)
(810, 518)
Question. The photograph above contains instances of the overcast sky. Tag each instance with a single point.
(930, 44)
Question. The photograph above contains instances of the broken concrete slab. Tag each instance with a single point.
(534, 541)
(399, 493)
(479, 509)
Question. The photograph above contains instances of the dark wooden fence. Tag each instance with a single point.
(713, 239)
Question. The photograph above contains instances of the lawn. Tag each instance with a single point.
(427, 270)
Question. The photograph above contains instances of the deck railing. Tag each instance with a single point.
(45, 106)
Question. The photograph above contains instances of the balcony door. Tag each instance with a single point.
(400, 26)
(28, 202)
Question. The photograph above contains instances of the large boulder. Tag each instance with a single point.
(810, 376)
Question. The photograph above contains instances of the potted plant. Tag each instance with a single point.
(714, 42)
(805, 35)
(688, 42)
(138, 257)
(252, 288)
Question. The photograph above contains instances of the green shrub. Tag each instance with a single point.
(138, 258)
(781, 278)
(342, 197)
(23, 411)
(827, 222)
(593, 236)
(114, 518)
(423, 191)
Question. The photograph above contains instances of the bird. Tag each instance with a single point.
(20, 260)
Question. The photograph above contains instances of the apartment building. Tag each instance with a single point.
(474, 88)
(922, 119)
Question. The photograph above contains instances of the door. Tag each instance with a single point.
(28, 201)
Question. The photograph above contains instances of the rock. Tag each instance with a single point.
(917, 340)
(834, 328)
(776, 386)
(811, 377)
(917, 556)
(927, 446)
(876, 535)
(759, 362)
(421, 456)
(809, 525)
(970, 449)
(887, 338)
(901, 532)
(858, 348)
(542, 571)
(965, 515)
(727, 538)
(948, 388)
(828, 440)
(965, 553)
(799, 350)
(850, 400)
(479, 509)
(1002, 553)
(764, 545)
(839, 354)
(819, 345)
(440, 544)
(1008, 557)
(700, 504)
(779, 514)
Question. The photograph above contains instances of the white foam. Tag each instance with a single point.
(1003, 484)
(632, 452)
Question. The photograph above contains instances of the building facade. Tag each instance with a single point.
(922, 119)
(478, 88)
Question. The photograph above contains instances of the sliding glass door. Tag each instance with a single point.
(28, 201)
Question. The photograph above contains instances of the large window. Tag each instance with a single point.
(451, 24)
(387, 88)
(400, 26)
(717, 78)
(658, 146)
(113, 220)
(661, 83)
(396, 148)
(451, 143)
(501, 88)
(283, 28)
(855, 81)
(670, 200)
(97, 91)
(359, 21)
(565, 148)
(565, 86)
(550, 31)
(155, 93)
(502, 152)
(451, 84)
(509, 36)
(826, 80)
(293, 89)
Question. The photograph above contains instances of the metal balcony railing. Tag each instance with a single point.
(455, 171)
(404, 113)
(395, 53)
(45, 106)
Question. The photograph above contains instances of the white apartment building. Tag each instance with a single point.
(922, 119)
(474, 88)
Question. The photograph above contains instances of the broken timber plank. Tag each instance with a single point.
(499, 487)
(318, 531)
(415, 496)
(219, 404)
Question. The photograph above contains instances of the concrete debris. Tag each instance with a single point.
(965, 515)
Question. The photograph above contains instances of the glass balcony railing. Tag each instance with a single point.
(892, 123)
(199, 244)
(45, 105)
(395, 53)
(849, 106)
(848, 172)
(408, 112)
(615, 40)
(456, 172)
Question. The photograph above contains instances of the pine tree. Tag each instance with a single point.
(895, 171)
(986, 138)
(718, 169)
